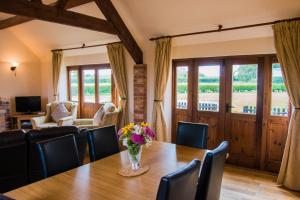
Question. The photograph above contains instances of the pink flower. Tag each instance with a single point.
(137, 139)
(120, 132)
(149, 132)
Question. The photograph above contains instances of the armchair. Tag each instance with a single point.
(47, 120)
(107, 115)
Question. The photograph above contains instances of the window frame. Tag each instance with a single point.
(96, 67)
(273, 60)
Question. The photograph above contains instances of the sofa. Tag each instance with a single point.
(20, 164)
(47, 121)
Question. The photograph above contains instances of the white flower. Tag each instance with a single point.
(138, 129)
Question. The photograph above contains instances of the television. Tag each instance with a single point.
(28, 104)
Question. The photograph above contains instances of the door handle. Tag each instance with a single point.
(228, 107)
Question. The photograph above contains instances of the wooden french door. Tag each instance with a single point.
(244, 110)
(235, 97)
(91, 86)
(199, 96)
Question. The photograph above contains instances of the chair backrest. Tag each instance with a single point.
(13, 160)
(210, 179)
(192, 134)
(110, 118)
(181, 184)
(58, 155)
(103, 142)
(35, 136)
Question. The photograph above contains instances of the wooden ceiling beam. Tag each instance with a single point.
(62, 4)
(112, 16)
(16, 20)
(53, 14)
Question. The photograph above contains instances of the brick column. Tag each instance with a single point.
(140, 93)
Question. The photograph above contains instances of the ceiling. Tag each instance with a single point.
(153, 18)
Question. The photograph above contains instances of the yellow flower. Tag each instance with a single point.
(143, 124)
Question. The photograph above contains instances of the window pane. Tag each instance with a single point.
(280, 99)
(89, 86)
(244, 88)
(208, 88)
(73, 85)
(104, 76)
(182, 87)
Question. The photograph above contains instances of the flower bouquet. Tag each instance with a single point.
(134, 136)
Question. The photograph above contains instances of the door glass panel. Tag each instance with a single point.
(280, 99)
(104, 83)
(73, 74)
(89, 86)
(244, 88)
(182, 87)
(208, 88)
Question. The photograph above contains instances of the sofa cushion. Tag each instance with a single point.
(98, 116)
(60, 111)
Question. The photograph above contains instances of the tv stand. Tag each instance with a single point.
(17, 119)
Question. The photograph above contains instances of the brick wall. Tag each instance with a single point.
(5, 114)
(140, 93)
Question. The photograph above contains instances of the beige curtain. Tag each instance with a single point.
(287, 43)
(117, 62)
(56, 69)
(162, 66)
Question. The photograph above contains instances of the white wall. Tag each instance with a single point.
(228, 48)
(27, 82)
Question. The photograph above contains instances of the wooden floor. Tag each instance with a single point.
(245, 184)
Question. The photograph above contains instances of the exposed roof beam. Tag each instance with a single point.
(62, 3)
(16, 20)
(53, 14)
(112, 15)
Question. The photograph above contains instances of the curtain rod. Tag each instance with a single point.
(84, 46)
(220, 29)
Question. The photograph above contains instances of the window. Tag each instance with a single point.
(91, 84)
(280, 99)
(244, 88)
(208, 88)
(105, 85)
(182, 87)
(74, 85)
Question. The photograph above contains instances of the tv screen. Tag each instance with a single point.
(28, 104)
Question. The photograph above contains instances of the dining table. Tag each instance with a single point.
(101, 179)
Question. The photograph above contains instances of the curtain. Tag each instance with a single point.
(287, 43)
(117, 62)
(162, 66)
(56, 69)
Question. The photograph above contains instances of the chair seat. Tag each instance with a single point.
(47, 125)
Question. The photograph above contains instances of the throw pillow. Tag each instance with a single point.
(59, 112)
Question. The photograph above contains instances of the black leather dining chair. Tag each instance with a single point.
(58, 155)
(211, 174)
(103, 142)
(192, 134)
(2, 197)
(181, 184)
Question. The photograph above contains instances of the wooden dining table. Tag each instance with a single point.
(100, 179)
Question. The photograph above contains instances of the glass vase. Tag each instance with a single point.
(135, 153)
